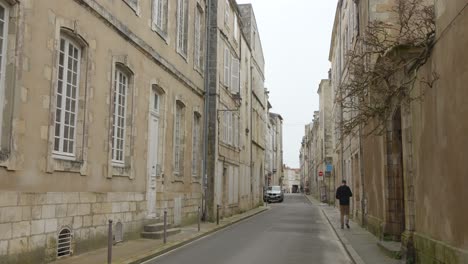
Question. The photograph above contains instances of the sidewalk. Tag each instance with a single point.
(139, 250)
(360, 243)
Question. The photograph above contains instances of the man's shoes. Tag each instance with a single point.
(342, 227)
(347, 225)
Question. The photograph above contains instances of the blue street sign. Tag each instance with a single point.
(329, 168)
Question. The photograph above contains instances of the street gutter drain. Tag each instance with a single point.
(64, 243)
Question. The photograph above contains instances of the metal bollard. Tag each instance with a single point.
(165, 227)
(217, 214)
(198, 217)
(109, 243)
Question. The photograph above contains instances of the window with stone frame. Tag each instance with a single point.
(199, 38)
(227, 14)
(182, 27)
(159, 17)
(121, 118)
(196, 144)
(179, 138)
(67, 98)
(119, 112)
(4, 19)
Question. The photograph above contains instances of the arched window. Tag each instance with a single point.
(64, 242)
(119, 111)
(196, 144)
(179, 138)
(67, 96)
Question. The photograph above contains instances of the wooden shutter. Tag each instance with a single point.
(227, 57)
(235, 75)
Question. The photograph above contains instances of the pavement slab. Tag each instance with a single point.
(360, 243)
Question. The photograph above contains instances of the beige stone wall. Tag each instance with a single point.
(40, 193)
(30, 221)
(438, 135)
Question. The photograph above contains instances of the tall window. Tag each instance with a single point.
(66, 96)
(236, 29)
(198, 38)
(182, 26)
(227, 13)
(119, 113)
(235, 72)
(178, 137)
(3, 49)
(160, 16)
(195, 144)
(227, 66)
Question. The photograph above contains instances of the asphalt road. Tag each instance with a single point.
(294, 231)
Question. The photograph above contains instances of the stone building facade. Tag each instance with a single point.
(274, 152)
(396, 177)
(292, 179)
(238, 109)
(104, 109)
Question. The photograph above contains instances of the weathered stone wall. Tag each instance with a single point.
(439, 144)
(30, 222)
(41, 193)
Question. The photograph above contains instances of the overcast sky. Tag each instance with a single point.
(295, 36)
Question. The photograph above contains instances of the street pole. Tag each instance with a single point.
(165, 227)
(109, 243)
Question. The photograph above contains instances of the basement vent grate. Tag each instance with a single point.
(64, 243)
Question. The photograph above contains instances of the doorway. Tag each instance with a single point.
(153, 147)
(395, 221)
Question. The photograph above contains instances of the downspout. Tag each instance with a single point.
(251, 132)
(206, 114)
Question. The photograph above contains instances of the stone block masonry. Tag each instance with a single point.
(31, 222)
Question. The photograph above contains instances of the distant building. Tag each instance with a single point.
(292, 180)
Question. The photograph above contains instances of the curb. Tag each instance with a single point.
(174, 245)
(347, 246)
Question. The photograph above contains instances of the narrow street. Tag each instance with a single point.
(294, 231)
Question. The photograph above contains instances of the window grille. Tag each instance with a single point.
(64, 243)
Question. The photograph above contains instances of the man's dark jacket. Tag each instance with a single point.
(343, 193)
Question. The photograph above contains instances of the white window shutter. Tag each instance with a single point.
(226, 127)
(227, 12)
(227, 57)
(197, 38)
(235, 76)
(236, 28)
(230, 128)
(236, 131)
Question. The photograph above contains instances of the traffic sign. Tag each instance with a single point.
(320, 173)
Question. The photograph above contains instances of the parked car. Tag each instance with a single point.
(273, 194)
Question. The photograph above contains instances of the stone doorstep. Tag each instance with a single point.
(155, 227)
(391, 248)
(160, 234)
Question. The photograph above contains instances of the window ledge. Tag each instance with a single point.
(67, 165)
(178, 180)
(226, 145)
(184, 56)
(119, 170)
(134, 5)
(160, 32)
(199, 70)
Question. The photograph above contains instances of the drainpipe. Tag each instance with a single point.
(251, 132)
(206, 114)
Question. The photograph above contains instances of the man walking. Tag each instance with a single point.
(343, 193)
